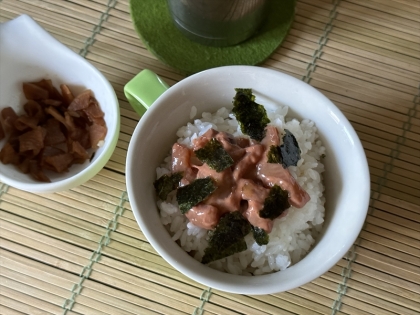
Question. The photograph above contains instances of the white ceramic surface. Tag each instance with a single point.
(346, 177)
(29, 53)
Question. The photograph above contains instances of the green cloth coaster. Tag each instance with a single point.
(153, 23)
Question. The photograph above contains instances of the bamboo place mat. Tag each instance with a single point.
(81, 251)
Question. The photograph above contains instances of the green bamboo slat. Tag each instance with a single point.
(345, 56)
(114, 166)
(271, 302)
(58, 29)
(382, 203)
(90, 9)
(245, 302)
(377, 17)
(151, 290)
(368, 289)
(406, 153)
(357, 25)
(312, 305)
(388, 7)
(396, 171)
(408, 288)
(131, 246)
(71, 215)
(408, 223)
(88, 201)
(118, 76)
(381, 36)
(117, 180)
(349, 70)
(406, 5)
(51, 275)
(400, 203)
(382, 134)
(56, 18)
(411, 183)
(355, 94)
(369, 286)
(394, 189)
(299, 71)
(64, 263)
(43, 243)
(387, 266)
(366, 279)
(328, 289)
(131, 54)
(367, 94)
(371, 86)
(360, 39)
(389, 188)
(129, 40)
(409, 258)
(27, 304)
(77, 236)
(384, 232)
(372, 121)
(65, 8)
(383, 160)
(6, 310)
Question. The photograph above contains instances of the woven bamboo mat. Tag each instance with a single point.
(81, 251)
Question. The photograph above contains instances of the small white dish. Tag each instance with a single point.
(29, 53)
(347, 180)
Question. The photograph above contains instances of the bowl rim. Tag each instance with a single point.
(207, 279)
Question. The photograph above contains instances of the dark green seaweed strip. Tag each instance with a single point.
(260, 235)
(274, 155)
(251, 116)
(276, 202)
(190, 195)
(214, 155)
(166, 183)
(247, 92)
(290, 151)
(228, 237)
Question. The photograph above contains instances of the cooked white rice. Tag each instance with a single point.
(292, 235)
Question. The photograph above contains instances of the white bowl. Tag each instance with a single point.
(346, 177)
(29, 53)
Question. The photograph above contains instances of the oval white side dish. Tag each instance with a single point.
(29, 53)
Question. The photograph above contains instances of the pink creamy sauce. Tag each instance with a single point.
(244, 186)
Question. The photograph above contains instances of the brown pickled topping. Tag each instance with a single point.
(56, 131)
(1, 131)
(244, 186)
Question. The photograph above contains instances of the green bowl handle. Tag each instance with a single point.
(143, 90)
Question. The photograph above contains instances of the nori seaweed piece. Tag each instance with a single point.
(190, 195)
(247, 92)
(260, 235)
(274, 155)
(166, 183)
(251, 116)
(214, 155)
(290, 151)
(276, 202)
(227, 238)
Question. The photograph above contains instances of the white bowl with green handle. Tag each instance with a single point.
(346, 177)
